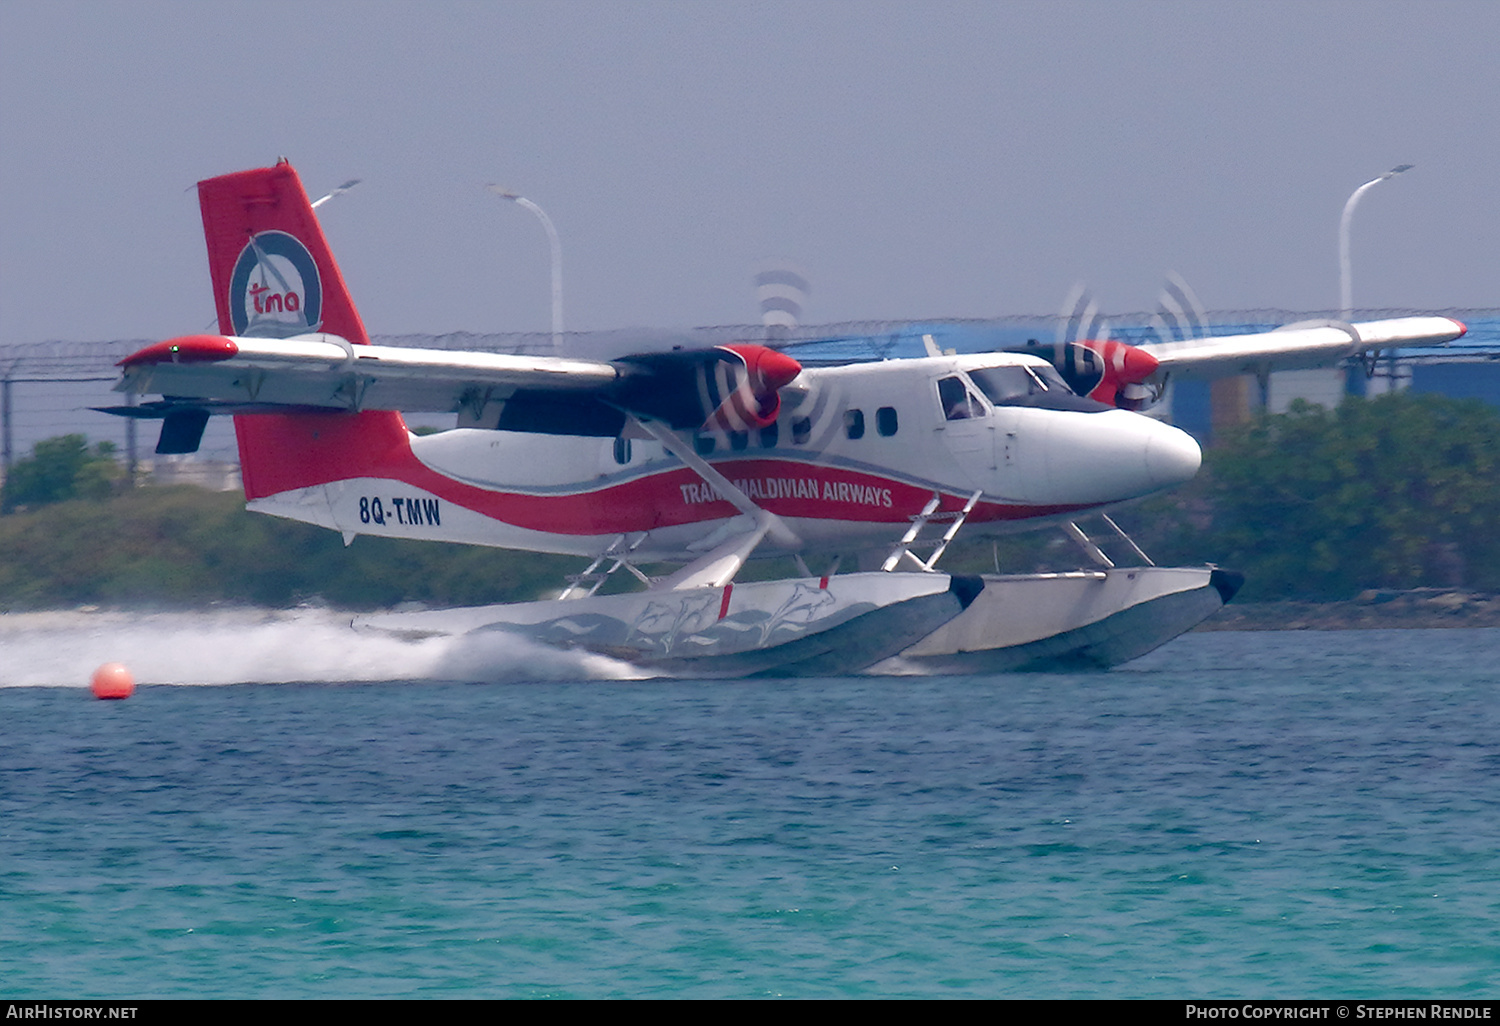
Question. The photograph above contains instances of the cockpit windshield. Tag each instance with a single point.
(1030, 385)
(1007, 384)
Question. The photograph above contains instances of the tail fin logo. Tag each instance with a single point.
(275, 290)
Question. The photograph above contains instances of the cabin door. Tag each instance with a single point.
(969, 429)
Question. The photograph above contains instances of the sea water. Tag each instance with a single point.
(1267, 815)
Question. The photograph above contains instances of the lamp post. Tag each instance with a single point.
(541, 215)
(1346, 287)
(351, 183)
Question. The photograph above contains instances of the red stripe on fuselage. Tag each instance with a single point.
(678, 496)
(315, 449)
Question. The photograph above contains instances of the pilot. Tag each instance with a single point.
(957, 403)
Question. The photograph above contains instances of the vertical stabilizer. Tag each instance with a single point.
(275, 277)
(273, 273)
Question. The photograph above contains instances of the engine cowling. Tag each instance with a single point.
(1108, 370)
(726, 388)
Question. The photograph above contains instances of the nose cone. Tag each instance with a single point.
(1099, 458)
(1172, 456)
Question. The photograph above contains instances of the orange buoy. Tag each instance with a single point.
(112, 680)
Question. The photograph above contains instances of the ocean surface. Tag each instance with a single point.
(1238, 815)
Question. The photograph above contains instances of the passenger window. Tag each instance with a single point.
(770, 435)
(801, 430)
(854, 423)
(885, 421)
(622, 451)
(704, 444)
(739, 440)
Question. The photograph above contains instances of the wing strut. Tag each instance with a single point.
(1073, 531)
(718, 566)
(619, 551)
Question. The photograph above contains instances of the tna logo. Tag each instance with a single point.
(275, 291)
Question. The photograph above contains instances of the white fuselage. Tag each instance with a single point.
(855, 453)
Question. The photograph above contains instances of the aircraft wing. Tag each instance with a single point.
(1297, 346)
(311, 371)
(734, 386)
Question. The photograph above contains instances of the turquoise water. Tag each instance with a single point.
(1282, 815)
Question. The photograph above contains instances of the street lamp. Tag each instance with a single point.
(1346, 301)
(351, 183)
(557, 318)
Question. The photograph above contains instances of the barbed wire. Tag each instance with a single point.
(95, 361)
(50, 388)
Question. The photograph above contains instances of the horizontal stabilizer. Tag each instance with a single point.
(161, 409)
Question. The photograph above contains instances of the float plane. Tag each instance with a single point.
(704, 459)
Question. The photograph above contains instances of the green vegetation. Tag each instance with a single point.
(59, 469)
(181, 547)
(1397, 492)
(1401, 491)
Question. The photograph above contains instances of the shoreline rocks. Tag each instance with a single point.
(1371, 610)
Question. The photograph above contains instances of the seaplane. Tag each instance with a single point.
(701, 460)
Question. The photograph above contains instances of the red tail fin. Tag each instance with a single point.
(273, 273)
(274, 276)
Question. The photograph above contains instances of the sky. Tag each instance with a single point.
(917, 160)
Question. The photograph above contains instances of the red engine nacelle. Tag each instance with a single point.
(1104, 368)
(748, 386)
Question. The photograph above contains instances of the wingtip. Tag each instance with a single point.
(184, 349)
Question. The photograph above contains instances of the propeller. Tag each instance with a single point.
(730, 388)
(1116, 372)
(751, 391)
(1179, 316)
(1092, 363)
(782, 291)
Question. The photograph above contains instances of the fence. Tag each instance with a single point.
(51, 388)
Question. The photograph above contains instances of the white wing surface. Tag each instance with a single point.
(729, 387)
(326, 371)
(1297, 346)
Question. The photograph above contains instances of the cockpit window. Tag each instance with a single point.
(958, 402)
(1008, 384)
(1004, 383)
(1036, 385)
(1051, 378)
